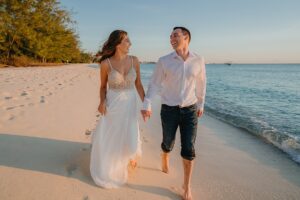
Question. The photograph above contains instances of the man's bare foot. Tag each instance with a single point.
(165, 162)
(187, 193)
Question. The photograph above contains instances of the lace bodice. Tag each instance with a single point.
(117, 81)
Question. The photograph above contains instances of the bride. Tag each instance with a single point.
(116, 140)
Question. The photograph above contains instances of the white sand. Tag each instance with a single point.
(47, 113)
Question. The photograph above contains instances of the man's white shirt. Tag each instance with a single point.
(180, 83)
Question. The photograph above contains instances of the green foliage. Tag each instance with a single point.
(37, 29)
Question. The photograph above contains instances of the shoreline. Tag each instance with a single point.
(46, 119)
(283, 147)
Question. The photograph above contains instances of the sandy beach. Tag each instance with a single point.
(47, 115)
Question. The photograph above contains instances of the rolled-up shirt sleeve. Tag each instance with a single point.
(201, 86)
(154, 85)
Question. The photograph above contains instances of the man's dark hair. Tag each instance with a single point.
(184, 30)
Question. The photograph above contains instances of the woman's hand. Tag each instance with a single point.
(102, 108)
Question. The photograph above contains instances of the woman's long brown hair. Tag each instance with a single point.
(109, 47)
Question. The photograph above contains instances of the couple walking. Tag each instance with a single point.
(180, 79)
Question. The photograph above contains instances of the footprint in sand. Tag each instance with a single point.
(10, 108)
(42, 99)
(24, 93)
(98, 115)
(71, 169)
(88, 132)
(11, 117)
(84, 149)
(31, 104)
(7, 97)
(86, 198)
(145, 139)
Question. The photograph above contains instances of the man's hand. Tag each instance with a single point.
(146, 114)
(200, 112)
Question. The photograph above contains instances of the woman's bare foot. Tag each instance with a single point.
(165, 162)
(133, 164)
(187, 193)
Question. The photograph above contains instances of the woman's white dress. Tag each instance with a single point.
(116, 138)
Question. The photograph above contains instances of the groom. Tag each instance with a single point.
(181, 79)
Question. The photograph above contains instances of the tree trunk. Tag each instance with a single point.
(10, 46)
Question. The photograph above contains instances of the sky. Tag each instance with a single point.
(237, 31)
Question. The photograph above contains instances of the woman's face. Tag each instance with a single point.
(124, 45)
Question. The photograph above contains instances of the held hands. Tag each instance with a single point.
(200, 112)
(102, 108)
(146, 114)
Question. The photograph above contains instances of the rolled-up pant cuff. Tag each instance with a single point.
(165, 149)
(188, 156)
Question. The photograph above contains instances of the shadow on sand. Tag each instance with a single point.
(64, 158)
(59, 157)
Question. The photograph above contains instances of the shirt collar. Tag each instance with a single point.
(175, 55)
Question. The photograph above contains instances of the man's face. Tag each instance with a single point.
(178, 40)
